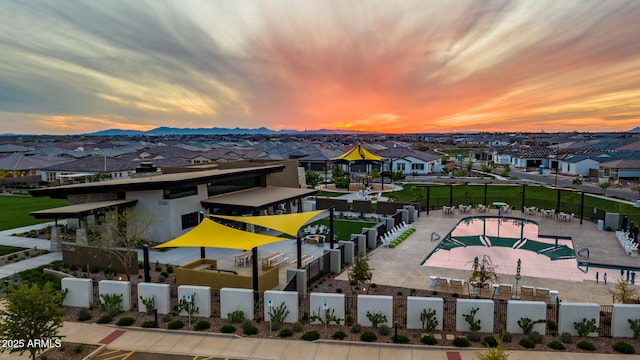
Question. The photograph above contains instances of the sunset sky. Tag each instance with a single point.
(72, 67)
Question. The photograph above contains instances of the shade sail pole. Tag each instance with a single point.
(331, 210)
(256, 288)
(299, 251)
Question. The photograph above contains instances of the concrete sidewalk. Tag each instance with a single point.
(234, 347)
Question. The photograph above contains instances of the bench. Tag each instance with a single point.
(243, 258)
(274, 259)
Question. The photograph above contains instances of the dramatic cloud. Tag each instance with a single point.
(78, 66)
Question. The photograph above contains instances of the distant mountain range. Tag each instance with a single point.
(215, 131)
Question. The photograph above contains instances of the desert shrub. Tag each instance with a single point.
(84, 315)
(585, 327)
(339, 335)
(428, 340)
(624, 348)
(126, 321)
(401, 339)
(552, 326)
(536, 337)
(490, 341)
(506, 337)
(227, 329)
(527, 343)
(586, 345)
(236, 317)
(286, 332)
(201, 325)
(383, 330)
(166, 318)
(368, 336)
(169, 269)
(148, 324)
(297, 326)
(249, 329)
(355, 328)
(556, 345)
(104, 319)
(312, 335)
(175, 324)
(460, 341)
(474, 336)
(566, 338)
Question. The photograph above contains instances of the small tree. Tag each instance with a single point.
(506, 170)
(31, 313)
(398, 176)
(360, 271)
(375, 173)
(121, 232)
(624, 292)
(188, 305)
(577, 181)
(312, 178)
(604, 186)
(483, 272)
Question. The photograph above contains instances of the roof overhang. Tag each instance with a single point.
(81, 210)
(155, 181)
(257, 198)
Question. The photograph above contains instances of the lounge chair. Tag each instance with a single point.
(442, 283)
(456, 286)
(527, 293)
(505, 292)
(542, 294)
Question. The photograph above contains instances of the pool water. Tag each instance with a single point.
(505, 240)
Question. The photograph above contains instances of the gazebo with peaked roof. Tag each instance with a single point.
(358, 154)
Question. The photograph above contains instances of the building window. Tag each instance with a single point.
(400, 166)
(190, 220)
(218, 187)
(417, 166)
(180, 192)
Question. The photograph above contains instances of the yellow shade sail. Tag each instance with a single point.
(286, 223)
(358, 153)
(211, 234)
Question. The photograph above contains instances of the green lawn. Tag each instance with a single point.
(5, 249)
(344, 228)
(534, 195)
(15, 210)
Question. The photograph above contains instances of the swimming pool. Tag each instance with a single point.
(505, 240)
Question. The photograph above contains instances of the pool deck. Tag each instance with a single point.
(401, 266)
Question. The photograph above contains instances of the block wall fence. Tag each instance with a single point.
(80, 294)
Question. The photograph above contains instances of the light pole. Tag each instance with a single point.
(516, 297)
(555, 182)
